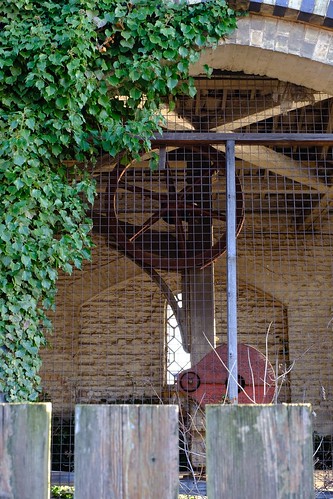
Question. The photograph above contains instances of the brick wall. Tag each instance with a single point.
(111, 346)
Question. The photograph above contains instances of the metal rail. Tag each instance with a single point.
(283, 139)
(232, 389)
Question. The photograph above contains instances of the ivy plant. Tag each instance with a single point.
(77, 79)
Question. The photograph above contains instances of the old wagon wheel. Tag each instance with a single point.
(172, 218)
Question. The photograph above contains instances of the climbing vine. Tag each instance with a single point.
(77, 79)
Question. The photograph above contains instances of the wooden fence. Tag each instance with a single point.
(131, 451)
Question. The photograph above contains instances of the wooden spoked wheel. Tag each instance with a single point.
(174, 217)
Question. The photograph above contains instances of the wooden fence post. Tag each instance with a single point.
(126, 452)
(25, 451)
(259, 451)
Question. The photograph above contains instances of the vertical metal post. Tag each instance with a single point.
(231, 273)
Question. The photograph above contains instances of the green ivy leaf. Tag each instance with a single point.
(172, 83)
(19, 159)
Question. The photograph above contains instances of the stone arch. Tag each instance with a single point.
(277, 48)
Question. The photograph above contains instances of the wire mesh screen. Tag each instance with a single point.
(145, 321)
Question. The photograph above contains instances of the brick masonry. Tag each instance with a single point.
(285, 36)
(279, 48)
(109, 339)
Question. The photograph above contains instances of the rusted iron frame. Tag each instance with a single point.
(201, 260)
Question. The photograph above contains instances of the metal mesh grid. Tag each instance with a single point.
(115, 321)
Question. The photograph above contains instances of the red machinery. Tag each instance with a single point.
(207, 381)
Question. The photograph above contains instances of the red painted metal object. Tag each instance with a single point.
(207, 381)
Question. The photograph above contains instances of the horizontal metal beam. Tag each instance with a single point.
(206, 138)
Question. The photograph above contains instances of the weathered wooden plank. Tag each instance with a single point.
(126, 451)
(264, 157)
(25, 451)
(259, 451)
(265, 112)
(318, 212)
